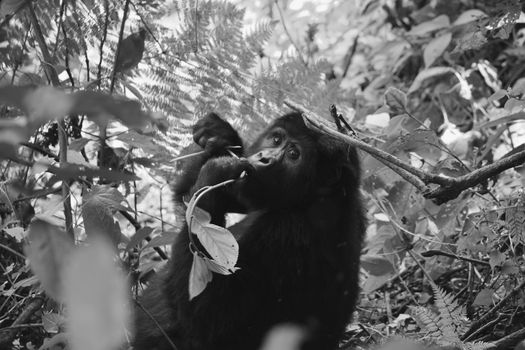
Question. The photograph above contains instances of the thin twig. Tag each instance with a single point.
(434, 252)
(66, 54)
(157, 324)
(484, 319)
(20, 326)
(510, 340)
(8, 336)
(349, 56)
(82, 41)
(62, 136)
(120, 36)
(288, 33)
(188, 156)
(102, 42)
(483, 328)
(12, 251)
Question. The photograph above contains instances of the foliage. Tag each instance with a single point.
(90, 142)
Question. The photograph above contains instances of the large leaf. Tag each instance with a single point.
(8, 7)
(97, 297)
(427, 74)
(435, 48)
(48, 251)
(45, 103)
(98, 208)
(396, 100)
(219, 243)
(377, 265)
(200, 276)
(138, 237)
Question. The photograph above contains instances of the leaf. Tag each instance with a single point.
(98, 208)
(200, 276)
(52, 322)
(17, 232)
(510, 268)
(75, 157)
(435, 48)
(396, 100)
(48, 252)
(47, 103)
(8, 7)
(78, 144)
(138, 237)
(469, 16)
(378, 120)
(106, 197)
(502, 120)
(484, 297)
(377, 265)
(427, 74)
(374, 282)
(437, 23)
(496, 258)
(98, 106)
(218, 242)
(97, 297)
(497, 95)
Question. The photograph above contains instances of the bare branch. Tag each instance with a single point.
(448, 188)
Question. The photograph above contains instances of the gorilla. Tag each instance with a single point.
(299, 243)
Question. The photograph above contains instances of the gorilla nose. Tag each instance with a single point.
(265, 160)
(262, 159)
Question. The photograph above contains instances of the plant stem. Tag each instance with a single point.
(62, 136)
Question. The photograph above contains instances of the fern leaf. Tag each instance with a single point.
(452, 315)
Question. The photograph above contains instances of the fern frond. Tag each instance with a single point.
(451, 313)
(477, 346)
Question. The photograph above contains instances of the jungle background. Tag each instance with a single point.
(97, 100)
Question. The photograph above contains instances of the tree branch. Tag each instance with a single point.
(448, 188)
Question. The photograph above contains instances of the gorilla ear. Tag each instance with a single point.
(339, 163)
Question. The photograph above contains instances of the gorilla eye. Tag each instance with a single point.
(294, 153)
(277, 139)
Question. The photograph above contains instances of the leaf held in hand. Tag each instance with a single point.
(200, 276)
(218, 242)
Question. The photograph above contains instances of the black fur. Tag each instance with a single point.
(299, 244)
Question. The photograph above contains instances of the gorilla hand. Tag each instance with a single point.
(215, 135)
(220, 169)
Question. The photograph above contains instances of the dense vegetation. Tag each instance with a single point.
(97, 99)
